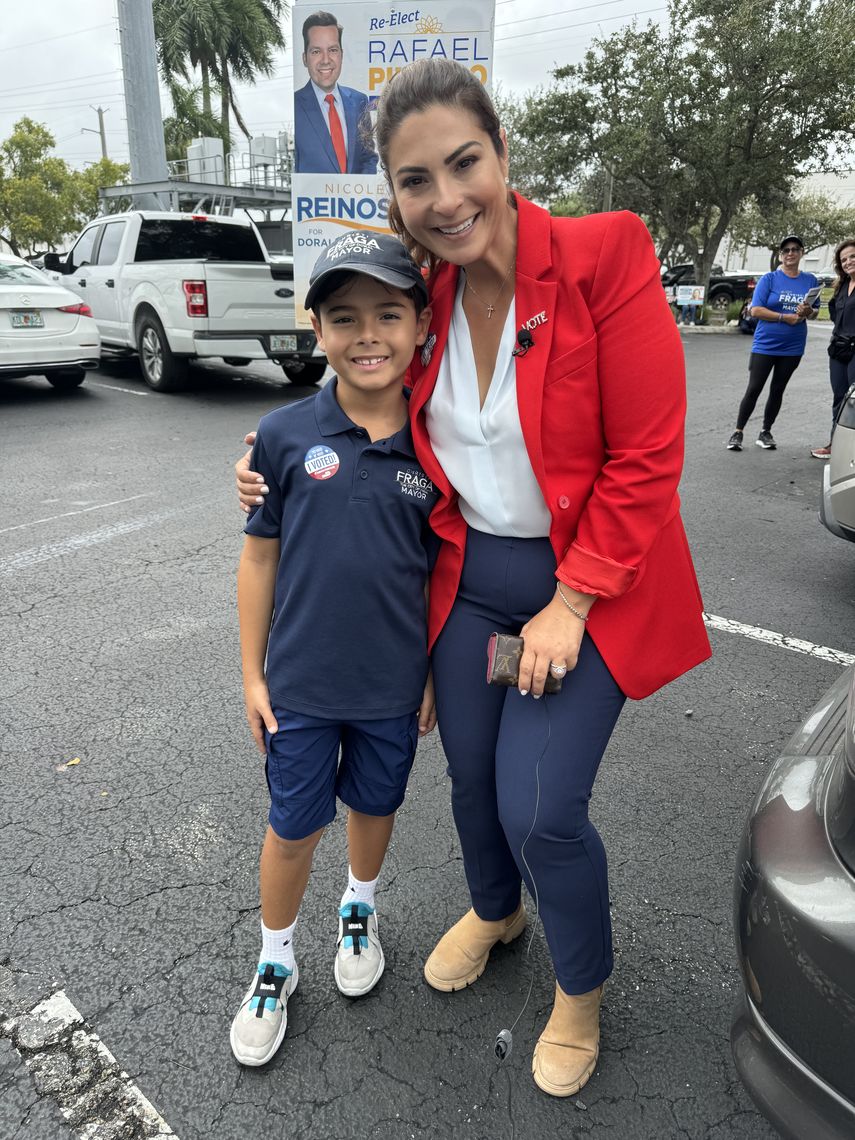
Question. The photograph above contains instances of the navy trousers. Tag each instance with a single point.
(500, 744)
(842, 378)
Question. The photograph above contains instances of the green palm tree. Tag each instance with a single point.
(188, 121)
(190, 35)
(225, 40)
(252, 37)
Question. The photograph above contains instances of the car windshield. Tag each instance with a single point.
(13, 274)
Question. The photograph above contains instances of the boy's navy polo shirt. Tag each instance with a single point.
(349, 632)
(781, 293)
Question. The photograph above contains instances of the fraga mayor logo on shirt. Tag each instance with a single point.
(414, 483)
(321, 462)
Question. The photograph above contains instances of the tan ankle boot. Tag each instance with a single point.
(566, 1054)
(461, 954)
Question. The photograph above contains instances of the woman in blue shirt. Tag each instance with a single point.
(779, 339)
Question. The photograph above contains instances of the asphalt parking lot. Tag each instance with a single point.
(129, 877)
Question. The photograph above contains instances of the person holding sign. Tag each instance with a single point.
(557, 468)
(327, 116)
(783, 300)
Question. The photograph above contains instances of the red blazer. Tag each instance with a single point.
(602, 402)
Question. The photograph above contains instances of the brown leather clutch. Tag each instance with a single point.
(503, 663)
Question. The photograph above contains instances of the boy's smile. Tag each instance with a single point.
(369, 332)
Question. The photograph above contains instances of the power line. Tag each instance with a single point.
(33, 107)
(571, 11)
(64, 36)
(582, 24)
(72, 81)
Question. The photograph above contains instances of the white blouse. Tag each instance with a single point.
(482, 450)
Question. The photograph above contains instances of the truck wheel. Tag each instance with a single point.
(722, 301)
(308, 373)
(67, 379)
(162, 370)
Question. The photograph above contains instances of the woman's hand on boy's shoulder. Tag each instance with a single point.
(250, 485)
(259, 714)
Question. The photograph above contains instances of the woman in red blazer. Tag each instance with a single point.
(547, 407)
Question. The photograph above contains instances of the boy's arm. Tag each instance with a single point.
(256, 586)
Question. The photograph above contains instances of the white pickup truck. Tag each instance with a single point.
(178, 287)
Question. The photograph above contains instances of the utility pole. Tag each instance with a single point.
(100, 111)
(142, 95)
(608, 190)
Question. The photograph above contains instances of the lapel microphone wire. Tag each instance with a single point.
(504, 1042)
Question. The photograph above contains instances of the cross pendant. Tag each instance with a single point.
(489, 311)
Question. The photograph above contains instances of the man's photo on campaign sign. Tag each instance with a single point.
(328, 115)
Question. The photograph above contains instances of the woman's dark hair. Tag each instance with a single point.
(838, 267)
(429, 83)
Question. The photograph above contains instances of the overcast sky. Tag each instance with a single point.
(58, 59)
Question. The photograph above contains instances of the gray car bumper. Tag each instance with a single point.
(798, 1103)
(826, 510)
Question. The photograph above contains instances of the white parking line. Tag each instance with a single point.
(24, 559)
(115, 388)
(795, 644)
(55, 1030)
(82, 511)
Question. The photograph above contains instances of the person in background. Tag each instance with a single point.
(779, 339)
(841, 349)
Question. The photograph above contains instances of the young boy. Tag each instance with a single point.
(331, 592)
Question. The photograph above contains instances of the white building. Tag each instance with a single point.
(840, 187)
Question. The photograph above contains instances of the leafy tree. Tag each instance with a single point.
(89, 181)
(730, 101)
(38, 192)
(816, 218)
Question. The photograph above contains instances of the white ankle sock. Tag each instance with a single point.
(278, 945)
(358, 891)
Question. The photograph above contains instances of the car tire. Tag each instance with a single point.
(722, 301)
(67, 379)
(162, 370)
(309, 373)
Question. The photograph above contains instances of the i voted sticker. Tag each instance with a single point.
(321, 462)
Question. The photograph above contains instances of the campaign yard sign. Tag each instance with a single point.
(343, 58)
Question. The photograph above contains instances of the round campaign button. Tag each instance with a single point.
(321, 462)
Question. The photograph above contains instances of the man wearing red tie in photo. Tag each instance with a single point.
(326, 115)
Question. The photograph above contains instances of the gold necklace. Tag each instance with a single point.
(490, 308)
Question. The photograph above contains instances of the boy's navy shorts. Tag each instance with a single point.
(305, 774)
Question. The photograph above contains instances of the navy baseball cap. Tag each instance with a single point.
(376, 255)
(791, 238)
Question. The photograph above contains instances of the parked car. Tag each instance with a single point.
(837, 504)
(44, 328)
(178, 287)
(826, 276)
(793, 1033)
(724, 288)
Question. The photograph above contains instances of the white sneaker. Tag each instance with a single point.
(260, 1023)
(359, 960)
